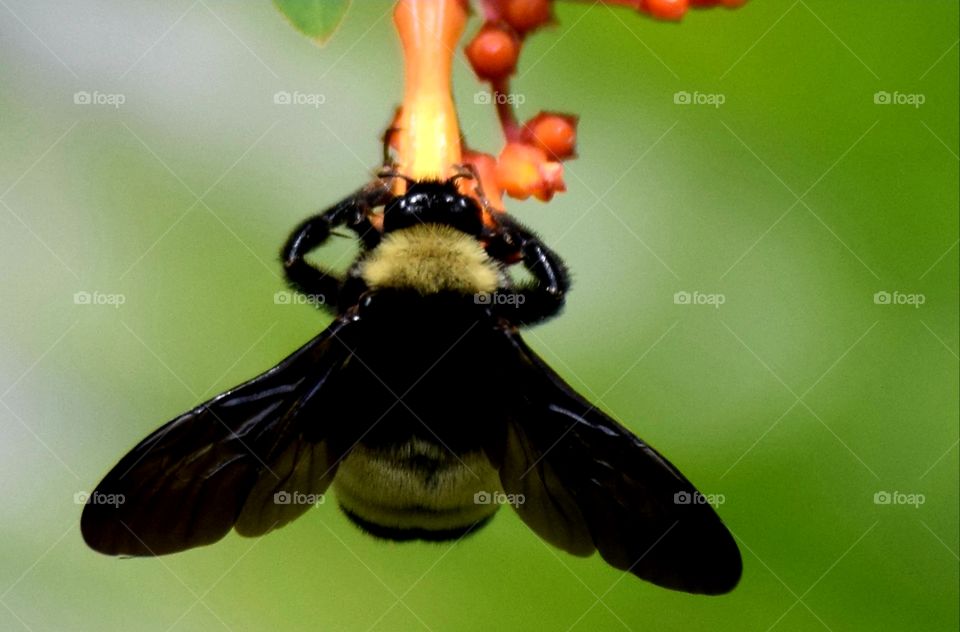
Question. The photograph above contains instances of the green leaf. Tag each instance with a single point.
(317, 19)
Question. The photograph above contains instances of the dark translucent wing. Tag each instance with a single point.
(221, 464)
(589, 483)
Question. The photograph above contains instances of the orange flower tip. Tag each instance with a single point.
(527, 15)
(554, 133)
(493, 52)
(523, 170)
(518, 170)
(551, 178)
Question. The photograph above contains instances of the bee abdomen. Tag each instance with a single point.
(416, 490)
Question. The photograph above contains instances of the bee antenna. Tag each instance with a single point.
(391, 173)
(465, 170)
(469, 170)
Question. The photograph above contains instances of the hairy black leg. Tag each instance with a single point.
(353, 286)
(544, 297)
(352, 212)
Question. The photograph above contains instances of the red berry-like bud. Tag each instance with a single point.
(554, 133)
(526, 15)
(493, 52)
(667, 9)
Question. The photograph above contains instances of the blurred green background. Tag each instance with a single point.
(799, 399)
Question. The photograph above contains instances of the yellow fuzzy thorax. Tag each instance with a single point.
(430, 258)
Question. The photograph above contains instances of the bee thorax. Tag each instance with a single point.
(430, 258)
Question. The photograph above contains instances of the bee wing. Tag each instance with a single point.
(219, 465)
(589, 483)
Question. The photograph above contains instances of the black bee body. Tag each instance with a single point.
(417, 463)
(423, 407)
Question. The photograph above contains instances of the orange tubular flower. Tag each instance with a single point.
(428, 133)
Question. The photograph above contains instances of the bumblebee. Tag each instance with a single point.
(423, 407)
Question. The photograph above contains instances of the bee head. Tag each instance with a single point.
(433, 202)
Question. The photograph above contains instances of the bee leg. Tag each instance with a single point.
(307, 278)
(353, 286)
(544, 297)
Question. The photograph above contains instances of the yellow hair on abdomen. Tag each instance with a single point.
(430, 258)
(385, 486)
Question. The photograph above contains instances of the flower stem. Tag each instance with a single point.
(500, 91)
